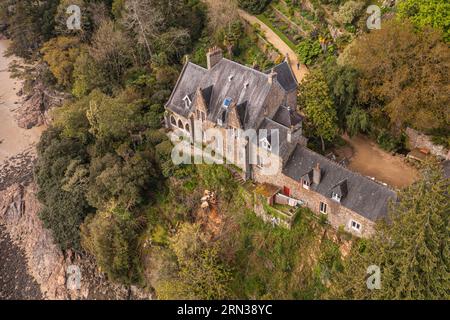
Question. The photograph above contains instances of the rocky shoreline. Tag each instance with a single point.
(32, 266)
(15, 281)
(45, 262)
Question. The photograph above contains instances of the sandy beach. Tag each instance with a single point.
(13, 140)
(16, 154)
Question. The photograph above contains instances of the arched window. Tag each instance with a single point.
(187, 127)
(173, 121)
(180, 124)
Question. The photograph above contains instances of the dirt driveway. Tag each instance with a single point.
(281, 46)
(369, 160)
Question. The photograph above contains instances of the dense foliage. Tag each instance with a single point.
(403, 74)
(254, 6)
(431, 13)
(108, 186)
(318, 106)
(412, 250)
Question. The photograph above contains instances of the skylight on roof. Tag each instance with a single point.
(227, 102)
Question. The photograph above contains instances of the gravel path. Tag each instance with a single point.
(276, 41)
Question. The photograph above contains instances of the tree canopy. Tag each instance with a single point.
(316, 102)
(404, 73)
(412, 249)
(430, 13)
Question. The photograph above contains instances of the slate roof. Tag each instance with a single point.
(287, 117)
(247, 87)
(285, 148)
(363, 196)
(285, 76)
(187, 84)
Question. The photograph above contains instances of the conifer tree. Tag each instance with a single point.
(412, 250)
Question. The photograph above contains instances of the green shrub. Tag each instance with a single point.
(254, 6)
(308, 51)
(112, 237)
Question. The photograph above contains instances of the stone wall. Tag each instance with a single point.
(420, 140)
(261, 212)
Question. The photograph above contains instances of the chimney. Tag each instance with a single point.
(317, 174)
(272, 76)
(213, 56)
(289, 135)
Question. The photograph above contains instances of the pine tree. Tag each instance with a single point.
(412, 250)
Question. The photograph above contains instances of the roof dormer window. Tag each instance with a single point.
(336, 197)
(187, 102)
(306, 184)
(355, 225)
(265, 144)
(230, 78)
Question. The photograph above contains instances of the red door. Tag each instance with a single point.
(287, 191)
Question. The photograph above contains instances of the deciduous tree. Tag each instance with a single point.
(434, 13)
(404, 73)
(318, 106)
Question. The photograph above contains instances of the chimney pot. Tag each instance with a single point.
(272, 76)
(317, 174)
(214, 56)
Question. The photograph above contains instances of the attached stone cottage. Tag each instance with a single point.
(234, 98)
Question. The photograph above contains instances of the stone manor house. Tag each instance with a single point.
(228, 95)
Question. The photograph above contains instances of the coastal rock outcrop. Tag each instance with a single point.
(36, 106)
(46, 262)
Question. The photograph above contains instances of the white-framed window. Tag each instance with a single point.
(336, 197)
(219, 122)
(323, 208)
(306, 184)
(200, 115)
(355, 225)
(234, 132)
(259, 161)
(266, 145)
